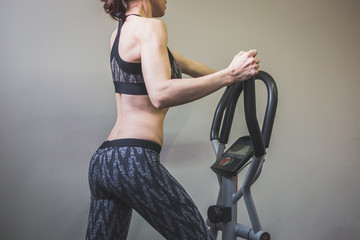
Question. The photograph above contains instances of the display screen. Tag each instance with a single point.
(241, 150)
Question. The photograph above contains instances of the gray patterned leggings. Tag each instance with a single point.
(126, 174)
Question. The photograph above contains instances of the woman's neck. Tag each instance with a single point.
(140, 7)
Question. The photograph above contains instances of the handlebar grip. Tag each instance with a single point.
(271, 105)
(251, 119)
(234, 94)
(218, 116)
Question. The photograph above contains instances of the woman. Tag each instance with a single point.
(125, 172)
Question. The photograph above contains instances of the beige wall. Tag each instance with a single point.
(57, 105)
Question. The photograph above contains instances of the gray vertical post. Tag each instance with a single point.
(228, 189)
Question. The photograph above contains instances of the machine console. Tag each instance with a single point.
(235, 158)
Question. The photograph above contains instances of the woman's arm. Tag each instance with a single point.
(165, 92)
(192, 67)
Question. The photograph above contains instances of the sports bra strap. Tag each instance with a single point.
(121, 22)
(116, 42)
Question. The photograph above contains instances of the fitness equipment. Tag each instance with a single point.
(247, 150)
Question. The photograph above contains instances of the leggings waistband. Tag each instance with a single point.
(132, 142)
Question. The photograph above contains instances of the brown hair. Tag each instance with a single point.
(114, 7)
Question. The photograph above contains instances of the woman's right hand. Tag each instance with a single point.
(244, 66)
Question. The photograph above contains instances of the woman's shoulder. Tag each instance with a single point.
(153, 26)
(151, 30)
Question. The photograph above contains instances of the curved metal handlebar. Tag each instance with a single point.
(251, 119)
(218, 116)
(271, 105)
(227, 105)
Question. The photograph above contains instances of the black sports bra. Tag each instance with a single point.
(127, 76)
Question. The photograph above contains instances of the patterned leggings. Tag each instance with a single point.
(126, 174)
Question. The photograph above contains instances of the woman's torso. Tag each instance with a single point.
(136, 115)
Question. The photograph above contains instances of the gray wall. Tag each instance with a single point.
(57, 106)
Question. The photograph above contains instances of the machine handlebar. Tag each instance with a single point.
(227, 105)
(271, 105)
(251, 119)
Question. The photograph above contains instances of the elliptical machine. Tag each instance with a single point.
(247, 150)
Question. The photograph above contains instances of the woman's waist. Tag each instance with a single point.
(138, 130)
